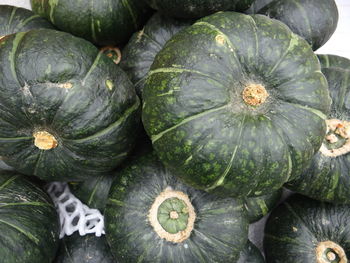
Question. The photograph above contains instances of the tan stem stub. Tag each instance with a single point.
(110, 50)
(44, 140)
(153, 219)
(1, 37)
(329, 251)
(342, 129)
(254, 94)
(174, 215)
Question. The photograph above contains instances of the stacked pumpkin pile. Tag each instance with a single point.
(234, 106)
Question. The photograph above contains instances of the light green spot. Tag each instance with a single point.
(109, 84)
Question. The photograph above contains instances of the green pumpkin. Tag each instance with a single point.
(16, 19)
(197, 8)
(153, 217)
(67, 111)
(314, 20)
(304, 230)
(328, 176)
(258, 207)
(250, 254)
(142, 48)
(103, 22)
(224, 100)
(334, 61)
(28, 221)
(84, 249)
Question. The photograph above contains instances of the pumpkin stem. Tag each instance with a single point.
(113, 53)
(330, 252)
(172, 216)
(44, 140)
(254, 94)
(337, 140)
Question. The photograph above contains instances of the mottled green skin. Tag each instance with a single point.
(16, 19)
(197, 8)
(314, 20)
(84, 249)
(220, 229)
(203, 130)
(296, 227)
(328, 178)
(250, 254)
(257, 5)
(138, 55)
(28, 222)
(94, 191)
(94, 123)
(333, 61)
(103, 22)
(258, 207)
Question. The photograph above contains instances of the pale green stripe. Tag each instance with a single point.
(12, 16)
(53, 4)
(255, 29)
(264, 209)
(22, 24)
(305, 16)
(15, 138)
(26, 204)
(314, 111)
(92, 67)
(6, 183)
(18, 37)
(133, 17)
(115, 201)
(94, 190)
(282, 239)
(27, 234)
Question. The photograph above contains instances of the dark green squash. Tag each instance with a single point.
(250, 254)
(103, 22)
(197, 8)
(314, 20)
(153, 217)
(84, 249)
(304, 230)
(67, 111)
(328, 177)
(28, 222)
(142, 48)
(334, 61)
(16, 19)
(258, 207)
(224, 102)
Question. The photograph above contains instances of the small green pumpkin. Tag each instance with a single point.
(334, 61)
(107, 22)
(153, 217)
(28, 221)
(197, 8)
(328, 177)
(16, 19)
(67, 111)
(224, 102)
(314, 20)
(250, 254)
(303, 230)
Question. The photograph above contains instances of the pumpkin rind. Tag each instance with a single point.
(334, 61)
(297, 227)
(66, 95)
(250, 254)
(198, 122)
(103, 22)
(314, 20)
(133, 239)
(28, 221)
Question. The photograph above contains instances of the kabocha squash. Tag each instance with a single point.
(333, 61)
(108, 22)
(224, 100)
(197, 8)
(67, 111)
(250, 254)
(142, 48)
(328, 177)
(16, 19)
(84, 249)
(258, 207)
(153, 217)
(304, 230)
(28, 222)
(314, 20)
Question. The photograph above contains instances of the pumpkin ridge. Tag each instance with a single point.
(22, 24)
(30, 236)
(153, 40)
(13, 12)
(17, 40)
(25, 204)
(92, 67)
(8, 181)
(306, 18)
(255, 29)
(38, 160)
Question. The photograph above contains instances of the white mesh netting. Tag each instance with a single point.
(73, 214)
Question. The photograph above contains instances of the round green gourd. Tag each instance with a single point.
(67, 111)
(224, 102)
(197, 8)
(250, 254)
(28, 222)
(142, 48)
(153, 217)
(327, 178)
(334, 61)
(258, 207)
(107, 22)
(84, 249)
(314, 20)
(304, 230)
(16, 19)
